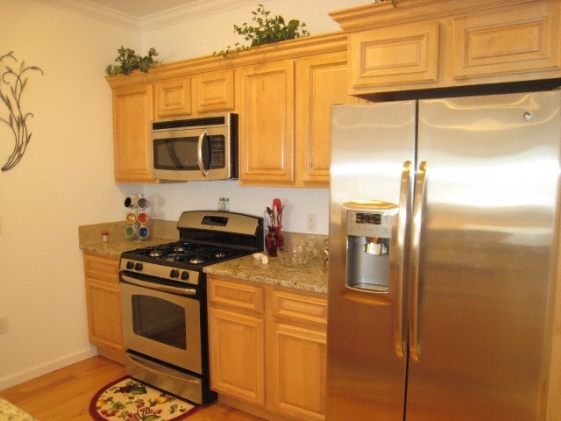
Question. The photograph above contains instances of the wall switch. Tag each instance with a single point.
(311, 222)
(3, 325)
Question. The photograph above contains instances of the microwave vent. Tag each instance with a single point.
(191, 122)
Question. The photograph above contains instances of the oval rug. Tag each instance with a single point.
(130, 400)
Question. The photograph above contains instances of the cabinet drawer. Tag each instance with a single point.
(518, 39)
(299, 307)
(237, 295)
(104, 268)
(406, 54)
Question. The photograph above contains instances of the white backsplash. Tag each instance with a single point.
(167, 201)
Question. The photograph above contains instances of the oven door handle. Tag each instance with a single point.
(158, 287)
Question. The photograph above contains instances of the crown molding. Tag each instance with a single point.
(97, 11)
(193, 10)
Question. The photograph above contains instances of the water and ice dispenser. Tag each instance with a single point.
(368, 228)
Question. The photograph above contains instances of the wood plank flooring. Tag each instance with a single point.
(65, 394)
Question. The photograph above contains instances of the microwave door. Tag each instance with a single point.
(172, 153)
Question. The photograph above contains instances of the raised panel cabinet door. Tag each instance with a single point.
(214, 91)
(321, 81)
(401, 54)
(237, 355)
(104, 315)
(267, 124)
(298, 368)
(132, 114)
(519, 39)
(172, 97)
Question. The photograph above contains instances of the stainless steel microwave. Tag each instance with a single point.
(195, 149)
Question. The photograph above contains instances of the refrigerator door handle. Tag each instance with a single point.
(399, 234)
(416, 224)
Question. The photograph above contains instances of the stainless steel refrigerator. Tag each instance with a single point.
(442, 254)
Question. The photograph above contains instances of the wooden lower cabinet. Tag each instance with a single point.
(268, 349)
(103, 304)
(237, 355)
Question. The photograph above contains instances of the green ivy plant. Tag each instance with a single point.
(128, 61)
(267, 30)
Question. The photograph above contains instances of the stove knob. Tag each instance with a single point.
(130, 265)
(138, 266)
(174, 273)
(184, 275)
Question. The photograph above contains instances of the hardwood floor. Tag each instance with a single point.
(65, 394)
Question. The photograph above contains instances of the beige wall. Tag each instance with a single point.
(65, 178)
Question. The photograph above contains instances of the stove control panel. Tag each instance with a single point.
(160, 271)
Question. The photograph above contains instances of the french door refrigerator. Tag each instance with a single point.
(442, 255)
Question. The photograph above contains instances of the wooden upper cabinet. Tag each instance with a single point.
(266, 125)
(132, 114)
(517, 39)
(426, 44)
(321, 81)
(172, 97)
(214, 91)
(404, 54)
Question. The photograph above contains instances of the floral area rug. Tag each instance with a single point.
(130, 400)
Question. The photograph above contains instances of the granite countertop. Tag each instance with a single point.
(9, 412)
(247, 268)
(115, 248)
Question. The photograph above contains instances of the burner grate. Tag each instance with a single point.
(185, 252)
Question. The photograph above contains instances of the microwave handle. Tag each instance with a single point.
(204, 171)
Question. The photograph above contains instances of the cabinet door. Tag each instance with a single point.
(321, 82)
(104, 307)
(214, 91)
(515, 40)
(267, 124)
(401, 54)
(237, 359)
(104, 315)
(297, 356)
(298, 367)
(173, 97)
(132, 113)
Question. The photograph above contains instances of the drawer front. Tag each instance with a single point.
(236, 295)
(104, 268)
(299, 307)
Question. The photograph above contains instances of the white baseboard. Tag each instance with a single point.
(45, 368)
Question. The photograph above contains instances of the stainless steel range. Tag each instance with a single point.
(163, 300)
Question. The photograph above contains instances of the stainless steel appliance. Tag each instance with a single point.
(196, 148)
(163, 300)
(443, 251)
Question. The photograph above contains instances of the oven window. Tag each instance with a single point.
(159, 320)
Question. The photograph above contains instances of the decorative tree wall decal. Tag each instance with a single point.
(12, 83)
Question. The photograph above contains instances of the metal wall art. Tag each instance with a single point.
(12, 83)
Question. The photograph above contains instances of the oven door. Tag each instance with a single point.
(162, 322)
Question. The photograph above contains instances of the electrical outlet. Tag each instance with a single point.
(311, 222)
(3, 325)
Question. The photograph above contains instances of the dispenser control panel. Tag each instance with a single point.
(370, 219)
